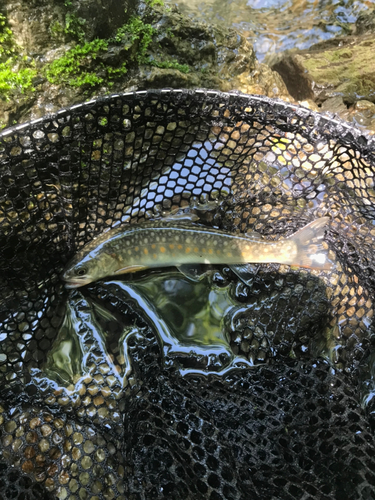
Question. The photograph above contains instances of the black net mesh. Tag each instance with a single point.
(93, 404)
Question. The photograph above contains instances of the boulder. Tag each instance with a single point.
(343, 66)
(336, 75)
(144, 46)
(38, 25)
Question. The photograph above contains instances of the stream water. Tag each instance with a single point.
(276, 25)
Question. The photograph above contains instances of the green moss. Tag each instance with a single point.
(154, 3)
(117, 72)
(74, 26)
(16, 73)
(136, 31)
(348, 70)
(70, 68)
(56, 29)
(86, 64)
(7, 45)
(73, 67)
(13, 81)
(169, 33)
(340, 55)
(184, 68)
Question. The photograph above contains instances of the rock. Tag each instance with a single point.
(30, 22)
(363, 113)
(309, 104)
(263, 81)
(337, 75)
(40, 24)
(365, 23)
(57, 98)
(216, 56)
(335, 105)
(165, 49)
(344, 66)
(103, 17)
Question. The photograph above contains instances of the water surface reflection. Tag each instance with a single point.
(276, 25)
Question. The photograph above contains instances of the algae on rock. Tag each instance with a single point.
(342, 66)
(337, 75)
(78, 49)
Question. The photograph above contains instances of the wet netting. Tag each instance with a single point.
(100, 398)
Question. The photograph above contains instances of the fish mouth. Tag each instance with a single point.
(74, 284)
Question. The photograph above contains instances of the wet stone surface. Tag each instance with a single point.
(176, 52)
(337, 74)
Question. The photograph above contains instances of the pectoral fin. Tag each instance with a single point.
(246, 272)
(130, 269)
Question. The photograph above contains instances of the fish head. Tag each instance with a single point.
(84, 270)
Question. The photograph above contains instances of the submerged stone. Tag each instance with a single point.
(344, 66)
(338, 72)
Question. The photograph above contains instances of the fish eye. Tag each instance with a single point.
(81, 271)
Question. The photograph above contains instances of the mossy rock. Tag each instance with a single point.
(70, 60)
(344, 66)
(365, 23)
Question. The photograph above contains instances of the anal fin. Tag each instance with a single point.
(253, 235)
(180, 217)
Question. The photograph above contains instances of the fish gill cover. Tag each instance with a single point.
(158, 386)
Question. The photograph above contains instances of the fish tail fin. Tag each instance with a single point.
(310, 250)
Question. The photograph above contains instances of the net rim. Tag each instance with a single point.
(361, 138)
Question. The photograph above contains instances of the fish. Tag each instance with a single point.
(164, 243)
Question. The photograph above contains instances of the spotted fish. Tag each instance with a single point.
(166, 243)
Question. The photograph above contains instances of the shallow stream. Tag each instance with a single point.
(276, 25)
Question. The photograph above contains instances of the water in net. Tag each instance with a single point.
(162, 386)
